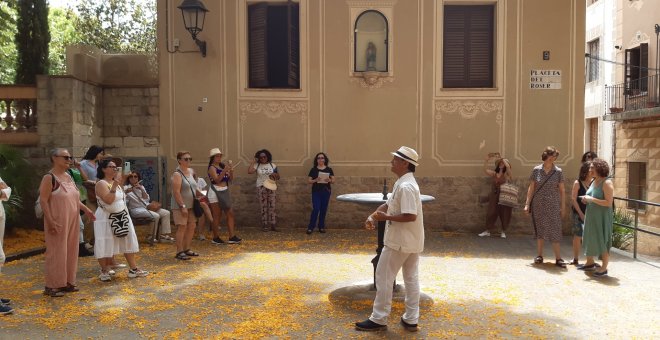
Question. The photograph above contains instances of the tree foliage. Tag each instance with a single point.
(63, 34)
(118, 26)
(7, 46)
(32, 39)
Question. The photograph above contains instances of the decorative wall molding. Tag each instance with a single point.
(280, 114)
(639, 38)
(273, 109)
(371, 3)
(469, 109)
(372, 81)
(472, 112)
(639, 155)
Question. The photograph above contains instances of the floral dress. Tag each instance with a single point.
(546, 203)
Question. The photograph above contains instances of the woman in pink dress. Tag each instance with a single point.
(60, 202)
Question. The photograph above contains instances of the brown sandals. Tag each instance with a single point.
(53, 292)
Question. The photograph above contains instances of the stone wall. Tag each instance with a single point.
(74, 114)
(131, 121)
(460, 203)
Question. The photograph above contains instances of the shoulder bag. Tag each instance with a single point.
(197, 206)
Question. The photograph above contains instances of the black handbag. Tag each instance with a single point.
(197, 206)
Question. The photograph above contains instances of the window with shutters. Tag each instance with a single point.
(637, 69)
(593, 62)
(273, 45)
(468, 46)
(636, 182)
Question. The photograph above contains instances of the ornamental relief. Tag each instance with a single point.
(468, 109)
(273, 109)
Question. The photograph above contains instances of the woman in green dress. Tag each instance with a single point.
(599, 217)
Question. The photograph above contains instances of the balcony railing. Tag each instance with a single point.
(18, 115)
(638, 94)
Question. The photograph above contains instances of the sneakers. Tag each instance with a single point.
(503, 235)
(111, 272)
(5, 302)
(369, 326)
(105, 276)
(408, 326)
(4, 310)
(234, 240)
(217, 240)
(484, 234)
(137, 272)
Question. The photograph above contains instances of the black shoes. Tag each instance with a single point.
(588, 267)
(217, 240)
(599, 274)
(309, 231)
(234, 240)
(83, 251)
(408, 326)
(369, 326)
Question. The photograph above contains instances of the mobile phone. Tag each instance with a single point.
(127, 168)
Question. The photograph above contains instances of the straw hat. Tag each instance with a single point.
(270, 184)
(407, 154)
(215, 151)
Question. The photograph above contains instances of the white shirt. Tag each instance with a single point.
(263, 172)
(407, 237)
(6, 193)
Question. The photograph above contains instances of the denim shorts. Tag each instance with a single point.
(578, 225)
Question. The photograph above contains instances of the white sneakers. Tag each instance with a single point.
(105, 276)
(487, 233)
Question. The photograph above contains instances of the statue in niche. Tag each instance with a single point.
(371, 57)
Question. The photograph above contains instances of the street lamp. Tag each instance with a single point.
(194, 13)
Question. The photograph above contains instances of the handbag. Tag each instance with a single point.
(119, 223)
(197, 206)
(508, 195)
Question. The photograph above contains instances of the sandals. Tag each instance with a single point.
(560, 263)
(182, 256)
(538, 259)
(190, 253)
(167, 238)
(70, 288)
(574, 262)
(53, 292)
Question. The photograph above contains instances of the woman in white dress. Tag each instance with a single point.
(114, 232)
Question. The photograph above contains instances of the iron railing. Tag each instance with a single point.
(635, 226)
(642, 93)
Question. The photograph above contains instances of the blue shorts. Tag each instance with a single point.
(578, 225)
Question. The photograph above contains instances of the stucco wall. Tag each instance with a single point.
(204, 102)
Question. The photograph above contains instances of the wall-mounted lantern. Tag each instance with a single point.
(194, 13)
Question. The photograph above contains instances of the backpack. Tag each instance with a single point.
(37, 205)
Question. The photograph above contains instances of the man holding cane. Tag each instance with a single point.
(404, 241)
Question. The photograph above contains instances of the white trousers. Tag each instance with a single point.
(162, 217)
(389, 264)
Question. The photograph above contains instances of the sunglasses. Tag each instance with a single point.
(66, 158)
(320, 157)
(187, 159)
(263, 156)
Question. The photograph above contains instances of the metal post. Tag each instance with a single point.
(635, 233)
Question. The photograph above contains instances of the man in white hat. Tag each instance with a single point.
(404, 240)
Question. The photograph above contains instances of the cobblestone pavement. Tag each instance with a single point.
(280, 285)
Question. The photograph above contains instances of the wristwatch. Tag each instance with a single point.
(183, 206)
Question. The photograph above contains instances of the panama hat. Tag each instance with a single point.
(270, 184)
(214, 152)
(407, 154)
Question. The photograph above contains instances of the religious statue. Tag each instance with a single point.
(371, 57)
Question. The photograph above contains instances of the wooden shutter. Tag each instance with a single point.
(258, 44)
(643, 66)
(293, 20)
(468, 46)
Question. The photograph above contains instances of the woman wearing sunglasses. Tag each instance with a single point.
(60, 200)
(267, 173)
(320, 177)
(140, 206)
(184, 191)
(114, 232)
